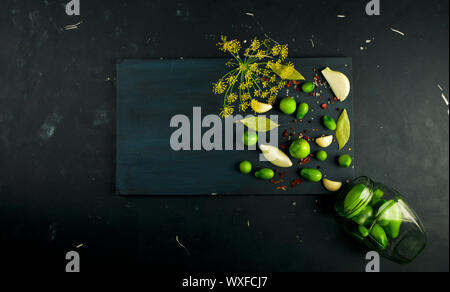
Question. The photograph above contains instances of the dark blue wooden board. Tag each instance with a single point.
(151, 92)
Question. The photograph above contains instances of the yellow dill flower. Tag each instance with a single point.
(264, 94)
(243, 67)
(281, 85)
(242, 86)
(257, 92)
(253, 67)
(276, 50)
(219, 87)
(284, 52)
(265, 84)
(232, 79)
(261, 54)
(232, 97)
(271, 100)
(232, 46)
(255, 44)
(226, 111)
(245, 96)
(230, 63)
(273, 78)
(243, 106)
(274, 90)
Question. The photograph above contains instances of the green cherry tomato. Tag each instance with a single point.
(245, 167)
(345, 160)
(308, 87)
(249, 138)
(300, 149)
(302, 110)
(321, 155)
(288, 105)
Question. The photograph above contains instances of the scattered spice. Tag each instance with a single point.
(324, 106)
(283, 174)
(276, 182)
(282, 146)
(285, 133)
(296, 182)
(282, 188)
(306, 160)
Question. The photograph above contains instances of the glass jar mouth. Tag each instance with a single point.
(354, 197)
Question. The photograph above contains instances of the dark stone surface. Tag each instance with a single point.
(56, 134)
(151, 92)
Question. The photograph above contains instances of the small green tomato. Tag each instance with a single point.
(321, 155)
(245, 167)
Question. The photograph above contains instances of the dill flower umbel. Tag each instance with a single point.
(258, 74)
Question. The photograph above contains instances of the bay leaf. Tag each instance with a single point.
(343, 129)
(259, 124)
(286, 72)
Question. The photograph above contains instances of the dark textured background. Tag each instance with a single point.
(151, 92)
(56, 134)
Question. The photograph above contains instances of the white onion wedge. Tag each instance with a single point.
(275, 156)
(339, 83)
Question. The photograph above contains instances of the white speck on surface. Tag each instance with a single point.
(368, 41)
(341, 16)
(444, 98)
(440, 87)
(312, 43)
(48, 128)
(180, 244)
(249, 14)
(397, 31)
(101, 117)
(73, 26)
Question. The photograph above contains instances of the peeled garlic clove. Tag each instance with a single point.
(332, 186)
(324, 142)
(275, 156)
(339, 83)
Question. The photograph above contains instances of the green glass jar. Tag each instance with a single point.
(377, 216)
